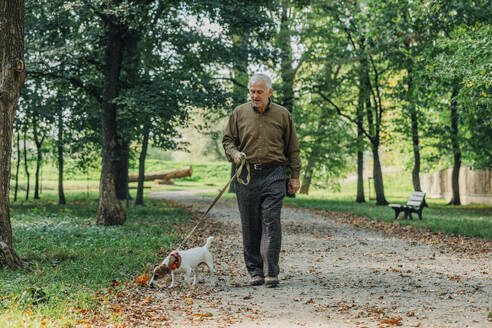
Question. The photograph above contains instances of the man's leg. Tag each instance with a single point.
(248, 200)
(271, 206)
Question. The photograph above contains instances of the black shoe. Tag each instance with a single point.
(271, 281)
(257, 281)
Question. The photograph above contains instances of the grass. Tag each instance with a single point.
(466, 220)
(70, 259)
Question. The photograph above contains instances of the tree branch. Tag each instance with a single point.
(339, 111)
(74, 81)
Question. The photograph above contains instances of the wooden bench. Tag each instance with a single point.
(415, 204)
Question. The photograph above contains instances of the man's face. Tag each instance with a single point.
(259, 93)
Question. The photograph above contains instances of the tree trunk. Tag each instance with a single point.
(378, 177)
(455, 200)
(360, 177)
(360, 198)
(239, 73)
(141, 168)
(39, 156)
(61, 193)
(110, 211)
(415, 133)
(12, 76)
(26, 168)
(39, 159)
(17, 166)
(122, 164)
(287, 71)
(308, 175)
(373, 125)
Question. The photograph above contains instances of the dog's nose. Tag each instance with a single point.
(152, 284)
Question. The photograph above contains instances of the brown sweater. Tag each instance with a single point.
(268, 137)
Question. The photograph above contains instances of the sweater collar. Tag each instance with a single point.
(269, 106)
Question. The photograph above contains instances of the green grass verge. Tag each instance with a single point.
(70, 259)
(465, 220)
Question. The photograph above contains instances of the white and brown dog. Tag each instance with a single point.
(184, 261)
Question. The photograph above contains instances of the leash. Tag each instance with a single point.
(237, 174)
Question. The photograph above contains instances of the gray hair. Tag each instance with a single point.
(261, 77)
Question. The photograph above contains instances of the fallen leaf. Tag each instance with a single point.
(143, 279)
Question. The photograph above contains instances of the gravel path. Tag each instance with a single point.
(332, 275)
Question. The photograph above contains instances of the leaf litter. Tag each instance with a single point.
(338, 270)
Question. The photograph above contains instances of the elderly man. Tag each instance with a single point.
(264, 133)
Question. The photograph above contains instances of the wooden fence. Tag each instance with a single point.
(475, 185)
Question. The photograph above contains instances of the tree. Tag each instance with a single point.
(459, 88)
(365, 44)
(109, 210)
(12, 74)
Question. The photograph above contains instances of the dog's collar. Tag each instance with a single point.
(177, 261)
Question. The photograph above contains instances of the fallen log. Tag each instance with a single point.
(163, 175)
(164, 181)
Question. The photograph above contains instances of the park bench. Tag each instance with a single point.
(415, 204)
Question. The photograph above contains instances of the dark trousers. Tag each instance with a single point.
(260, 203)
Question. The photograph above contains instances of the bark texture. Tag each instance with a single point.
(141, 168)
(456, 148)
(287, 71)
(360, 198)
(415, 133)
(110, 211)
(59, 144)
(12, 74)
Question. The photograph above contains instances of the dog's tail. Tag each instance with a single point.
(209, 240)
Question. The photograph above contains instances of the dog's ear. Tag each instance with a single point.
(160, 270)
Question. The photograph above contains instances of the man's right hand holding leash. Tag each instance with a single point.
(238, 157)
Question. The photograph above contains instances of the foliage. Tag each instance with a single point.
(184, 57)
(466, 57)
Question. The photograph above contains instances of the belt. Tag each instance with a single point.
(263, 166)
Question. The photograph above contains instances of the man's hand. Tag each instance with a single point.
(238, 156)
(294, 185)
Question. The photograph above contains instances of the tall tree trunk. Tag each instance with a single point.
(122, 164)
(415, 133)
(36, 177)
(241, 78)
(131, 61)
(26, 167)
(38, 140)
(371, 113)
(378, 177)
(287, 71)
(110, 211)
(17, 166)
(12, 74)
(308, 175)
(39, 158)
(59, 144)
(455, 200)
(360, 198)
(141, 167)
